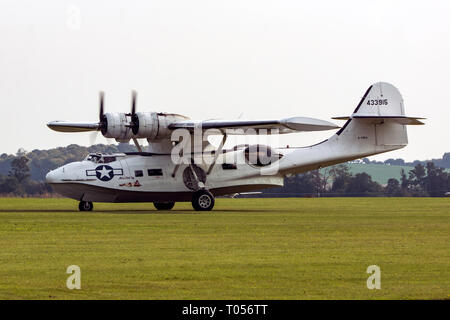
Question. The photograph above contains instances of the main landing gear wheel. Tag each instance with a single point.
(85, 206)
(163, 205)
(203, 200)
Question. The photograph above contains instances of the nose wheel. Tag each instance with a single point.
(203, 200)
(85, 206)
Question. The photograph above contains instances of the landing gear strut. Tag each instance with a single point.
(203, 200)
(85, 206)
(163, 205)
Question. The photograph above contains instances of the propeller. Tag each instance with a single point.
(103, 121)
(101, 125)
(134, 123)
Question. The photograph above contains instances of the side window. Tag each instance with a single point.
(154, 172)
(228, 166)
(138, 173)
(109, 159)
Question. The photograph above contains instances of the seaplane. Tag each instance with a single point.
(180, 164)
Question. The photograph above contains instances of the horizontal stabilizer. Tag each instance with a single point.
(376, 120)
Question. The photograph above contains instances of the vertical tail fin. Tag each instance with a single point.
(381, 100)
(378, 123)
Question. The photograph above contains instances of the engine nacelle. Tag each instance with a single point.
(117, 126)
(154, 126)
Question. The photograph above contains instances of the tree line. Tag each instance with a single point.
(444, 162)
(337, 181)
(23, 174)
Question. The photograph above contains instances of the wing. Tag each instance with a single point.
(67, 126)
(288, 125)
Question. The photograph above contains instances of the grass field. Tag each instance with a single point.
(244, 249)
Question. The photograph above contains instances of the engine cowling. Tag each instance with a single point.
(154, 126)
(117, 126)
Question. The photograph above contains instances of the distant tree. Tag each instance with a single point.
(393, 188)
(9, 185)
(444, 162)
(395, 162)
(126, 147)
(417, 180)
(32, 187)
(404, 180)
(416, 162)
(302, 185)
(340, 175)
(20, 169)
(320, 180)
(21, 152)
(436, 182)
(362, 185)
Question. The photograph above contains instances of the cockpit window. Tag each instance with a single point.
(98, 158)
(94, 158)
(261, 155)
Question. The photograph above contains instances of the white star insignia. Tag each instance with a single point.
(104, 172)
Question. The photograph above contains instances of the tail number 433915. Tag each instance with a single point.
(377, 102)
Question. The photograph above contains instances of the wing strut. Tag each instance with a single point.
(216, 155)
(218, 151)
(136, 143)
(178, 164)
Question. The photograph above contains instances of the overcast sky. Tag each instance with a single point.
(220, 59)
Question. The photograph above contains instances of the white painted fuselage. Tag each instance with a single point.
(153, 177)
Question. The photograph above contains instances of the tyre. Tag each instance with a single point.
(203, 200)
(163, 205)
(85, 206)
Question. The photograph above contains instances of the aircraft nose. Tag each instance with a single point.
(51, 177)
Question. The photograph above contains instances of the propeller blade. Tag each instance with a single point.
(134, 123)
(103, 121)
(133, 102)
(102, 111)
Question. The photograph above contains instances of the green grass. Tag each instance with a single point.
(244, 249)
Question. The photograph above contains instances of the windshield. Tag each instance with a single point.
(98, 158)
(94, 158)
